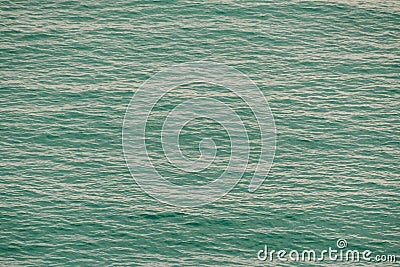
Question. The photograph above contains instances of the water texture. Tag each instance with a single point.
(68, 69)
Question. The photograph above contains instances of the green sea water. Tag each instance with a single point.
(68, 70)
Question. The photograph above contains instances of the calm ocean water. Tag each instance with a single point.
(330, 72)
